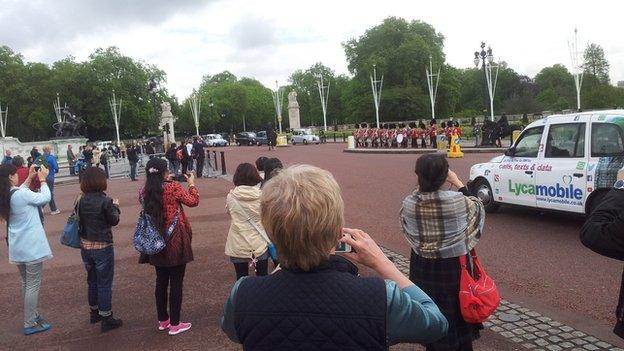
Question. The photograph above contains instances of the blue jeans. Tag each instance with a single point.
(100, 266)
(52, 203)
(133, 167)
(174, 166)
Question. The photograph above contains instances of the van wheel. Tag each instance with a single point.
(483, 191)
(305, 141)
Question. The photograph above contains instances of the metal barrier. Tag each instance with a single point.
(223, 171)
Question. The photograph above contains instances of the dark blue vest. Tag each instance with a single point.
(321, 310)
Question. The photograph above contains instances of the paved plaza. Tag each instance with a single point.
(535, 258)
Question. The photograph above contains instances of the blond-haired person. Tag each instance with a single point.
(309, 303)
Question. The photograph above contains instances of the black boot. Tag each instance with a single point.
(95, 316)
(110, 323)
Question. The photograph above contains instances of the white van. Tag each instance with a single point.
(561, 162)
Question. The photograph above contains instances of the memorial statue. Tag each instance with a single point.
(70, 126)
(293, 111)
(167, 120)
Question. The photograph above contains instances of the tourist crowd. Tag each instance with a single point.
(310, 296)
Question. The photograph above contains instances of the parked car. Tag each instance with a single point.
(245, 138)
(304, 136)
(261, 138)
(562, 162)
(215, 140)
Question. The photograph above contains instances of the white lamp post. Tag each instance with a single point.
(3, 120)
(58, 109)
(487, 60)
(376, 85)
(116, 111)
(324, 94)
(195, 103)
(432, 81)
(577, 69)
(278, 95)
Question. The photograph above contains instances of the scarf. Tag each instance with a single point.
(442, 224)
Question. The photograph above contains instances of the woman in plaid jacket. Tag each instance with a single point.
(441, 226)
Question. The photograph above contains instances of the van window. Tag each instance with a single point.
(565, 140)
(529, 142)
(606, 140)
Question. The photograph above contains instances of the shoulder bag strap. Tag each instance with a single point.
(173, 224)
(260, 231)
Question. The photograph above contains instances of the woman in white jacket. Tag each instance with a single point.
(245, 243)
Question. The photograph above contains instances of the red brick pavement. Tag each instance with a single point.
(373, 186)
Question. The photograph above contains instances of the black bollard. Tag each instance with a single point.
(223, 171)
(334, 137)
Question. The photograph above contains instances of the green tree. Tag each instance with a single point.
(595, 63)
(401, 50)
(556, 88)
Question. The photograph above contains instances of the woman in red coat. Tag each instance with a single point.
(163, 199)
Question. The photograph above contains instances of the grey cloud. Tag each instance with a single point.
(51, 25)
(252, 33)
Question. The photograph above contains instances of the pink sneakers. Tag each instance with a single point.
(180, 328)
(164, 325)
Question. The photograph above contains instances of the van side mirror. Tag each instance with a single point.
(511, 151)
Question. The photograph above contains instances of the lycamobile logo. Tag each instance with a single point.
(564, 192)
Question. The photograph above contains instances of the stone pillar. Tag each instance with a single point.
(293, 111)
(167, 119)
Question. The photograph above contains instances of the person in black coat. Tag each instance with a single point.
(271, 138)
(603, 233)
(200, 154)
(133, 158)
(98, 213)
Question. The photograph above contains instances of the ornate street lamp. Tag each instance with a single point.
(486, 59)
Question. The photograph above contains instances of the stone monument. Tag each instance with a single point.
(166, 123)
(293, 111)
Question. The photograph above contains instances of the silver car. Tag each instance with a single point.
(304, 136)
(215, 140)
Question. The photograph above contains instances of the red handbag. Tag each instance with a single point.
(478, 296)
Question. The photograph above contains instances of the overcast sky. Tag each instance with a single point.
(269, 39)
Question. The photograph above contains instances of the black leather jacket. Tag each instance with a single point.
(97, 217)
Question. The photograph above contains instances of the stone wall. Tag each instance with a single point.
(59, 146)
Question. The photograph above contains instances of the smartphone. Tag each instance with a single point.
(343, 247)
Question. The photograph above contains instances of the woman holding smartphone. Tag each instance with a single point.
(162, 199)
(453, 221)
(309, 303)
(28, 245)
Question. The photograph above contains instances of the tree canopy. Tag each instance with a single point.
(400, 50)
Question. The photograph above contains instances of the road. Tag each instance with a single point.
(535, 258)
